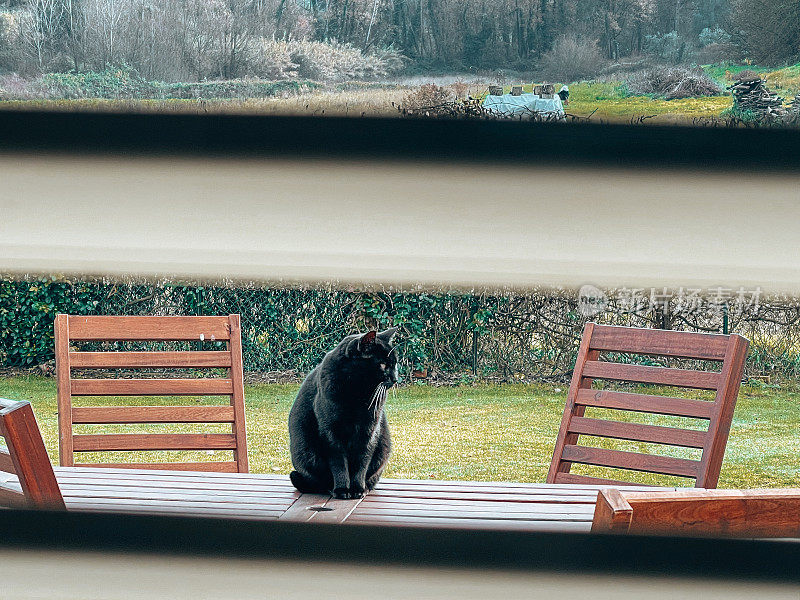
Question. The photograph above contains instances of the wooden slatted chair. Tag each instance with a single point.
(26, 457)
(740, 513)
(70, 329)
(731, 351)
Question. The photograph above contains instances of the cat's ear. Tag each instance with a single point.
(366, 340)
(386, 336)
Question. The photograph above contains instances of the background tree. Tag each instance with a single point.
(768, 31)
(186, 40)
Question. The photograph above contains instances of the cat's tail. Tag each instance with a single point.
(307, 485)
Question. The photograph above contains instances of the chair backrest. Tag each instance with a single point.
(225, 329)
(742, 513)
(26, 458)
(731, 351)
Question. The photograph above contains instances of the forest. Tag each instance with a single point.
(199, 40)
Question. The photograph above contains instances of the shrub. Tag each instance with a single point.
(393, 60)
(428, 95)
(112, 83)
(669, 47)
(572, 58)
(716, 46)
(318, 61)
(270, 59)
(14, 87)
(717, 35)
(334, 62)
(717, 53)
(124, 84)
(673, 83)
(460, 88)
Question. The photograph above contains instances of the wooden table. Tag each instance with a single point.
(520, 506)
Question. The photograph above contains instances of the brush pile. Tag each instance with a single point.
(751, 95)
(471, 108)
(672, 83)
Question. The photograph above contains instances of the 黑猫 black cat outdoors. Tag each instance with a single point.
(338, 434)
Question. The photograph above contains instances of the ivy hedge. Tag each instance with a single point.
(448, 334)
(284, 329)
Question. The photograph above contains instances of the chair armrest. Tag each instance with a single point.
(612, 513)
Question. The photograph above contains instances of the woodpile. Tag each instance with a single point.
(471, 108)
(793, 114)
(750, 94)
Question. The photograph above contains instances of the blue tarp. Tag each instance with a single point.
(524, 104)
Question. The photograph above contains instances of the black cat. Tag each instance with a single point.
(338, 434)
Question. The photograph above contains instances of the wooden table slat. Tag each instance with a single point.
(467, 519)
(400, 502)
(177, 510)
(561, 526)
(338, 510)
(225, 506)
(73, 489)
(577, 491)
(497, 496)
(531, 487)
(150, 497)
(300, 510)
(94, 471)
(500, 507)
(176, 484)
(252, 515)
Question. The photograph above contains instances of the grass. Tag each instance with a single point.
(785, 82)
(371, 102)
(354, 102)
(609, 101)
(487, 432)
(725, 73)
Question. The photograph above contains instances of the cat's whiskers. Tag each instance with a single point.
(372, 399)
(378, 398)
(375, 395)
(381, 398)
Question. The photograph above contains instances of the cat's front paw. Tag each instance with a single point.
(356, 490)
(341, 493)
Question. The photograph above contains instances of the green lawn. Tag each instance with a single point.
(488, 432)
(609, 101)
